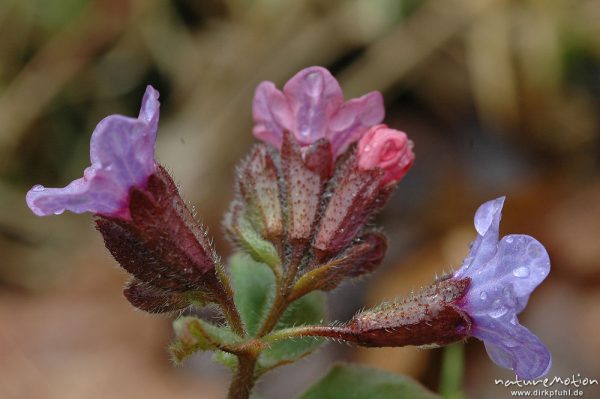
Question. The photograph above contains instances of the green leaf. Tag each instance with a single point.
(359, 382)
(260, 249)
(309, 309)
(254, 289)
(226, 359)
(193, 335)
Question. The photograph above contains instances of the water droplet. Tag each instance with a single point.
(498, 309)
(367, 148)
(38, 188)
(59, 211)
(509, 239)
(521, 272)
(483, 295)
(513, 320)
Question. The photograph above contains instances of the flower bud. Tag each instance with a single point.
(388, 149)
(354, 196)
(427, 318)
(363, 257)
(258, 187)
(303, 187)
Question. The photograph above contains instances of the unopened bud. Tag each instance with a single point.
(388, 149)
(361, 258)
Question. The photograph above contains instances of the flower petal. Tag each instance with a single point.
(95, 192)
(149, 111)
(353, 119)
(513, 346)
(487, 224)
(314, 95)
(519, 266)
(271, 113)
(122, 156)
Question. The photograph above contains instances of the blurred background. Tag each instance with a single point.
(500, 97)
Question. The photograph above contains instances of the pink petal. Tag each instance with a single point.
(353, 119)
(314, 96)
(271, 113)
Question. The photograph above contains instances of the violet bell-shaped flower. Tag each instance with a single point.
(311, 107)
(503, 273)
(145, 223)
(122, 157)
(482, 299)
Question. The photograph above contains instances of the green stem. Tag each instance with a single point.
(232, 315)
(309, 331)
(281, 302)
(452, 371)
(244, 379)
(224, 297)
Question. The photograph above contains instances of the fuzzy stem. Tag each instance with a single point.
(281, 302)
(224, 297)
(244, 379)
(342, 333)
(232, 315)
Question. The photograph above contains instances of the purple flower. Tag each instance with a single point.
(503, 274)
(312, 107)
(122, 157)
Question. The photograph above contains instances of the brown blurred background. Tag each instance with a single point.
(500, 97)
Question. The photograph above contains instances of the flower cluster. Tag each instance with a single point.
(304, 198)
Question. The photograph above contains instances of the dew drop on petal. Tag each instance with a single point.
(521, 272)
(483, 295)
(38, 188)
(498, 309)
(509, 239)
(59, 211)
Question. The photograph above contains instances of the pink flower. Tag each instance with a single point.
(122, 157)
(388, 149)
(312, 107)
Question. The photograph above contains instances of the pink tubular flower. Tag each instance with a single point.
(312, 107)
(388, 149)
(122, 157)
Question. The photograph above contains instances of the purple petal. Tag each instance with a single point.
(503, 275)
(271, 113)
(512, 346)
(149, 111)
(314, 96)
(518, 267)
(122, 156)
(487, 224)
(353, 119)
(95, 192)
